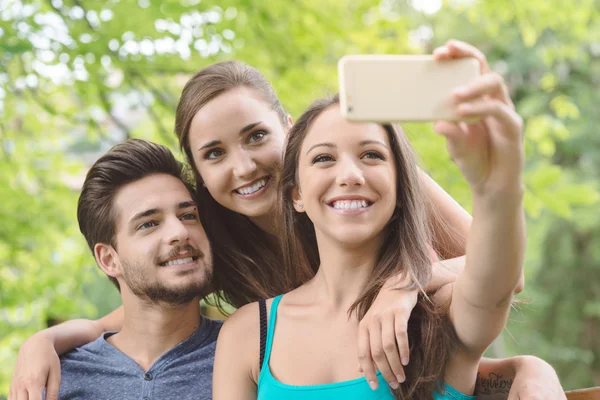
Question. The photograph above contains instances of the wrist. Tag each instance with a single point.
(43, 336)
(500, 197)
(41, 339)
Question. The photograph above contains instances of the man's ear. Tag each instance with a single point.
(107, 259)
(297, 199)
(290, 121)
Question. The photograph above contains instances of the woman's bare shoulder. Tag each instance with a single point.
(242, 328)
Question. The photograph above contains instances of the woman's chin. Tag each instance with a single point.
(352, 239)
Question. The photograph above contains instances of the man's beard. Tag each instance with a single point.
(135, 277)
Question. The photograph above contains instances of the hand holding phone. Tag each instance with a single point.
(402, 88)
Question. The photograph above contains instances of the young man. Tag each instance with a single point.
(139, 217)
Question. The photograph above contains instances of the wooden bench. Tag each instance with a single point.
(584, 394)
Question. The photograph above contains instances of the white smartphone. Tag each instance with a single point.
(401, 88)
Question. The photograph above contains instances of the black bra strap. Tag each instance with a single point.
(262, 308)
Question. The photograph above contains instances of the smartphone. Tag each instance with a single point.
(401, 88)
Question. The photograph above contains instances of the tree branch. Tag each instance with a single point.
(164, 98)
(106, 104)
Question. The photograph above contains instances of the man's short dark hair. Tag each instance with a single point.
(125, 163)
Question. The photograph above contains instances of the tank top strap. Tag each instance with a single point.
(271, 330)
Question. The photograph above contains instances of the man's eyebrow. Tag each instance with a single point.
(144, 214)
(327, 144)
(186, 204)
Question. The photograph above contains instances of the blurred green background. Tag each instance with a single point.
(78, 76)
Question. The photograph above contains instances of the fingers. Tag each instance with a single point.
(488, 84)
(459, 49)
(364, 356)
(388, 340)
(458, 138)
(53, 384)
(493, 108)
(36, 394)
(22, 394)
(450, 129)
(491, 85)
(401, 331)
(379, 353)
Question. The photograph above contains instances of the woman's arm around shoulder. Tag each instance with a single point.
(38, 365)
(236, 370)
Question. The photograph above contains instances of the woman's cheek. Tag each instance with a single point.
(214, 182)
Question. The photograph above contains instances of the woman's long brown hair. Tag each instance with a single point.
(404, 251)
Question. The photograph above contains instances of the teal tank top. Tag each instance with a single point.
(270, 388)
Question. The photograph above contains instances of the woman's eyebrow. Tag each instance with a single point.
(212, 143)
(326, 144)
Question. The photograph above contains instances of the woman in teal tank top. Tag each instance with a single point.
(354, 217)
(270, 388)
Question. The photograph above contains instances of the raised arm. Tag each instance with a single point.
(483, 292)
(235, 374)
(38, 365)
(489, 152)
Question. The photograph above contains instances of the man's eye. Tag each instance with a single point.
(213, 154)
(256, 136)
(147, 225)
(189, 217)
(322, 158)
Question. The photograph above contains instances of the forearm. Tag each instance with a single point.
(77, 332)
(495, 251)
(495, 377)
(72, 334)
(450, 221)
(518, 377)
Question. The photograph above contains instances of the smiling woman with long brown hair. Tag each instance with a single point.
(355, 216)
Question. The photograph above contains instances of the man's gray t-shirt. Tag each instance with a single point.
(100, 371)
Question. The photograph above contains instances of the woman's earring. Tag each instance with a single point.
(301, 206)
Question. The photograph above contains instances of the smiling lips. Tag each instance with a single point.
(350, 205)
(254, 189)
(188, 257)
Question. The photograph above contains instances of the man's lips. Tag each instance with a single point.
(179, 261)
(181, 255)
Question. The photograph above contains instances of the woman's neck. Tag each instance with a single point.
(344, 272)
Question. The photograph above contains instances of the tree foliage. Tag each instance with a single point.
(77, 77)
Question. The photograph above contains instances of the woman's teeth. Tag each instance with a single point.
(254, 188)
(350, 204)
